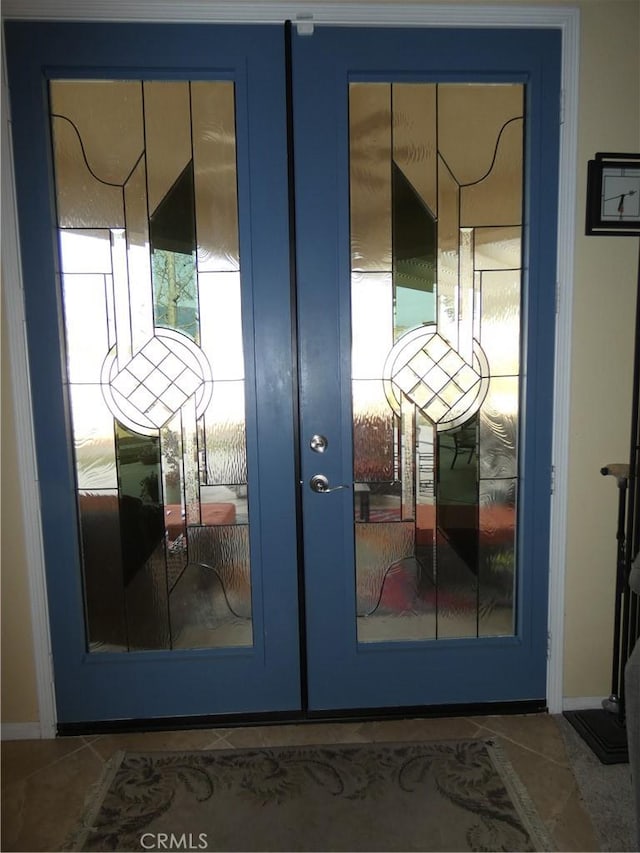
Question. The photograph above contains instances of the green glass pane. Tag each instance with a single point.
(414, 256)
(172, 233)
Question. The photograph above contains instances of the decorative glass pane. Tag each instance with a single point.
(373, 437)
(221, 324)
(497, 557)
(94, 440)
(214, 159)
(500, 322)
(370, 172)
(98, 137)
(436, 211)
(146, 195)
(212, 599)
(99, 515)
(498, 434)
(225, 448)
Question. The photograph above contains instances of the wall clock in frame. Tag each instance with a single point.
(613, 195)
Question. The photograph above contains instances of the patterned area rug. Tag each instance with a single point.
(460, 795)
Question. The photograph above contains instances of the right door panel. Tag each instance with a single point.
(426, 180)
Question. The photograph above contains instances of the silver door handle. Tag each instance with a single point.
(319, 483)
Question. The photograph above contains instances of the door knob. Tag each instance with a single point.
(319, 483)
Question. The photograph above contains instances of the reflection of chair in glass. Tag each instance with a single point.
(464, 440)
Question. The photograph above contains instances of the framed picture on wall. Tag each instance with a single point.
(613, 195)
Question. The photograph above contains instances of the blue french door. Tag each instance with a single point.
(169, 531)
(280, 476)
(426, 315)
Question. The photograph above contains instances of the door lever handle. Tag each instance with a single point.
(319, 483)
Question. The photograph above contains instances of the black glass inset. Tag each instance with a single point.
(141, 510)
(457, 490)
(103, 576)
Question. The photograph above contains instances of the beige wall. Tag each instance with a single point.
(601, 374)
(19, 696)
(603, 326)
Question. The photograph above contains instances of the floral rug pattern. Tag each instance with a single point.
(460, 795)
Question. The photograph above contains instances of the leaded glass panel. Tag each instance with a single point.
(145, 184)
(436, 222)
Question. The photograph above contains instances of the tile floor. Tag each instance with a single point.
(44, 783)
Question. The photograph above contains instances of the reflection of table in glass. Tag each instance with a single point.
(211, 515)
(362, 491)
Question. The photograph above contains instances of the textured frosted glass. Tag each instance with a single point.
(221, 324)
(87, 333)
(448, 244)
(107, 116)
(470, 118)
(497, 199)
(139, 289)
(378, 547)
(224, 549)
(414, 138)
(371, 323)
(82, 200)
(407, 459)
(172, 450)
(225, 435)
(102, 568)
(370, 173)
(214, 157)
(498, 248)
(93, 439)
(200, 613)
(396, 594)
(499, 429)
(425, 473)
(500, 323)
(190, 462)
(457, 593)
(372, 432)
(147, 605)
(167, 142)
(497, 558)
(466, 296)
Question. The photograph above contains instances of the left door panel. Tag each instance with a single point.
(151, 180)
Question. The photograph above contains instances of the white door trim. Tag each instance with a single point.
(13, 306)
(564, 18)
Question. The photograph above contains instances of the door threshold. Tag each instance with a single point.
(276, 718)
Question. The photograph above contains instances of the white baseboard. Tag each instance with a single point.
(581, 703)
(21, 731)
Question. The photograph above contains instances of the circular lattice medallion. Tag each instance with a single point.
(424, 368)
